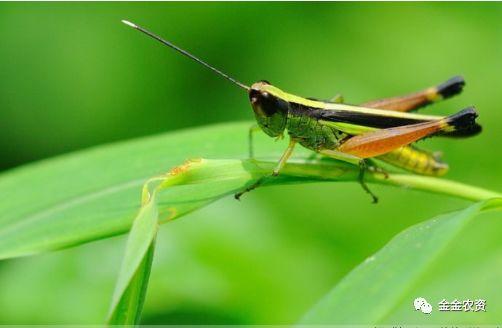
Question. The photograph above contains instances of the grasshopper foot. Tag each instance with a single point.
(255, 185)
(363, 166)
(238, 195)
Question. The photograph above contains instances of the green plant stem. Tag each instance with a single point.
(438, 186)
(335, 170)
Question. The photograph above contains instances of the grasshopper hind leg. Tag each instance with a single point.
(420, 99)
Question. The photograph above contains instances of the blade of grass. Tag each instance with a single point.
(132, 282)
(130, 305)
(369, 293)
(93, 194)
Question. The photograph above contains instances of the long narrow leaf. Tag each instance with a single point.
(369, 293)
(94, 194)
(133, 278)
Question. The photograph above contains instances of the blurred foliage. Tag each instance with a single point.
(74, 76)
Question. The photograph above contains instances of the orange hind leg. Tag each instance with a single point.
(419, 99)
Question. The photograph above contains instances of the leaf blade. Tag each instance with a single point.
(391, 271)
(94, 194)
(130, 290)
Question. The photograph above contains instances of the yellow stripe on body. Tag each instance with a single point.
(343, 107)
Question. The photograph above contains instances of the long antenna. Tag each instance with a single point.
(185, 53)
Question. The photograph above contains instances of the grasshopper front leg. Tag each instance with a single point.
(284, 158)
(254, 128)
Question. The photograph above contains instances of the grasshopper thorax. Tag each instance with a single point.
(271, 112)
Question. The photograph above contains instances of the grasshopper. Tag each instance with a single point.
(382, 129)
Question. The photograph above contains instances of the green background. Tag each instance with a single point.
(73, 76)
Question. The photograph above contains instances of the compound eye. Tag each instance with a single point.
(268, 103)
(258, 96)
(254, 96)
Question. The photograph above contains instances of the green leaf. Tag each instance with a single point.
(132, 282)
(372, 291)
(94, 194)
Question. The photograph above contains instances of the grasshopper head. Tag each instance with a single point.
(271, 112)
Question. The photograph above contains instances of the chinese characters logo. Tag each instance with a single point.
(465, 305)
(468, 305)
